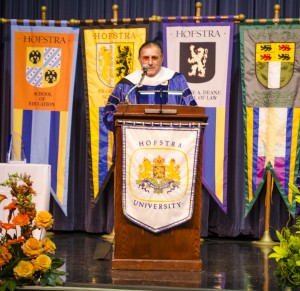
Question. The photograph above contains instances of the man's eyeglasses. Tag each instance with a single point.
(147, 58)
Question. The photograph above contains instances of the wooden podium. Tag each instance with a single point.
(136, 248)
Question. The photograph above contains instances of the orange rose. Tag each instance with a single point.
(42, 263)
(24, 270)
(32, 247)
(49, 246)
(21, 219)
(43, 219)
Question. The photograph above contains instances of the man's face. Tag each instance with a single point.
(151, 56)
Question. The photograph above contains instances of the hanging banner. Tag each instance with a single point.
(109, 55)
(43, 61)
(202, 53)
(159, 175)
(271, 98)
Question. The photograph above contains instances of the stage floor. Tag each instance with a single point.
(227, 264)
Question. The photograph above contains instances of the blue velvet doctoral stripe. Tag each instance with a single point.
(288, 145)
(255, 146)
(103, 150)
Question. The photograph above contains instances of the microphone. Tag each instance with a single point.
(145, 70)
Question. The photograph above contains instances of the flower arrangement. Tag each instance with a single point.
(24, 259)
(287, 253)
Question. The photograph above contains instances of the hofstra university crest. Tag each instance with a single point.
(43, 66)
(274, 64)
(158, 176)
(114, 62)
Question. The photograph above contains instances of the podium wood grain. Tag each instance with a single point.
(136, 248)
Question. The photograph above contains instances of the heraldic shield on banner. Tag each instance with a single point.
(43, 66)
(274, 63)
(114, 62)
(159, 175)
(198, 61)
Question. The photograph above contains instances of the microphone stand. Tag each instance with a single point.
(137, 85)
(160, 99)
(126, 100)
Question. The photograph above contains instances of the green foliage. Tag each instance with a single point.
(287, 253)
(52, 278)
(8, 284)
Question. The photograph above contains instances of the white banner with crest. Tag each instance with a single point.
(159, 174)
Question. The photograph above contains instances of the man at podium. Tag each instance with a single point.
(157, 178)
(149, 85)
(152, 77)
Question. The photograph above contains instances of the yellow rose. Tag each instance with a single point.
(43, 219)
(32, 247)
(49, 246)
(42, 263)
(5, 255)
(24, 270)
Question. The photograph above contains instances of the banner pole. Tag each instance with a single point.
(276, 11)
(266, 238)
(115, 9)
(198, 10)
(44, 13)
